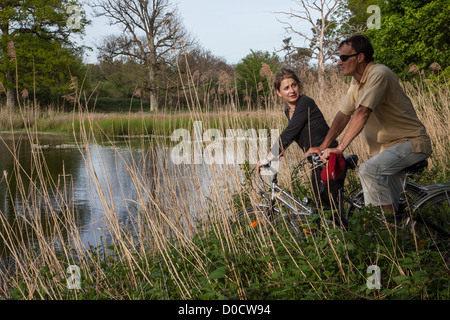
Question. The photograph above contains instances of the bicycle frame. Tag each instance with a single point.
(285, 198)
(294, 205)
(422, 194)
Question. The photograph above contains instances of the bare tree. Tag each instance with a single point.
(152, 30)
(321, 16)
(294, 56)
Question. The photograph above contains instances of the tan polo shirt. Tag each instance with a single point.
(393, 118)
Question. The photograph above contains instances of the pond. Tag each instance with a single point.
(45, 174)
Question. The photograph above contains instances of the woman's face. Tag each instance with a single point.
(289, 91)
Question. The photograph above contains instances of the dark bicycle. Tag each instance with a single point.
(426, 209)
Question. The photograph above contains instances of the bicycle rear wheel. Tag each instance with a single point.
(432, 217)
(408, 197)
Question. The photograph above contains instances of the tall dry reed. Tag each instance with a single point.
(169, 209)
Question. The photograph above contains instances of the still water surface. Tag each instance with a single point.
(70, 170)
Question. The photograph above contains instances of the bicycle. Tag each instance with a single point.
(426, 209)
(281, 207)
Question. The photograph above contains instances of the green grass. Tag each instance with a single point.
(133, 124)
(333, 267)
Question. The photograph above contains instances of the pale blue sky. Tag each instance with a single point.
(228, 28)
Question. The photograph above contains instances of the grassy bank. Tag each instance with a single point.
(134, 124)
(181, 247)
(216, 264)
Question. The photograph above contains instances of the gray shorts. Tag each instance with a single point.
(382, 176)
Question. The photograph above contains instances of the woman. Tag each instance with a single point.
(306, 124)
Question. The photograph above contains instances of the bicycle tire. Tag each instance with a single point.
(305, 225)
(356, 204)
(433, 214)
(408, 197)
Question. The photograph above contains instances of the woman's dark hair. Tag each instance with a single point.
(361, 44)
(285, 73)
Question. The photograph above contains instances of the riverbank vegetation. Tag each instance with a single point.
(179, 247)
(178, 244)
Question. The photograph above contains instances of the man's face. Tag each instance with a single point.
(289, 91)
(348, 67)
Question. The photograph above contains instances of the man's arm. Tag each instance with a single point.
(337, 126)
(357, 123)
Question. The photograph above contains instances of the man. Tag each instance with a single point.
(377, 106)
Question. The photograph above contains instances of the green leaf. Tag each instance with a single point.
(219, 273)
(401, 279)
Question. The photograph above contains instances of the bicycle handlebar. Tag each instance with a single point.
(314, 158)
(269, 167)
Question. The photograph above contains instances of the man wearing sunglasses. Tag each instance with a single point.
(377, 107)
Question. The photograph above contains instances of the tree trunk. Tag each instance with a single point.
(321, 62)
(321, 74)
(10, 52)
(153, 102)
(10, 89)
(10, 99)
(153, 91)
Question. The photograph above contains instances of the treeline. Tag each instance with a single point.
(198, 78)
(120, 84)
(39, 63)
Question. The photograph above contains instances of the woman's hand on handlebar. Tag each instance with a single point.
(266, 161)
(261, 163)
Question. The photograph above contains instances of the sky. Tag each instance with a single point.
(227, 28)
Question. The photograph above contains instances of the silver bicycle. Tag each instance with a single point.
(281, 207)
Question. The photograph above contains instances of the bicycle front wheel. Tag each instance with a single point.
(306, 225)
(354, 205)
(433, 216)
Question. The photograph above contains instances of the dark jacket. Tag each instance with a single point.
(307, 127)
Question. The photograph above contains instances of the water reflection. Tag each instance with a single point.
(46, 175)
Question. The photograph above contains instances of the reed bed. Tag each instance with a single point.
(178, 243)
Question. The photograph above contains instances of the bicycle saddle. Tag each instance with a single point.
(351, 161)
(417, 167)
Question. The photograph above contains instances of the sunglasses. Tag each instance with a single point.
(345, 57)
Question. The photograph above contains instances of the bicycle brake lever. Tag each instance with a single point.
(269, 168)
(314, 158)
